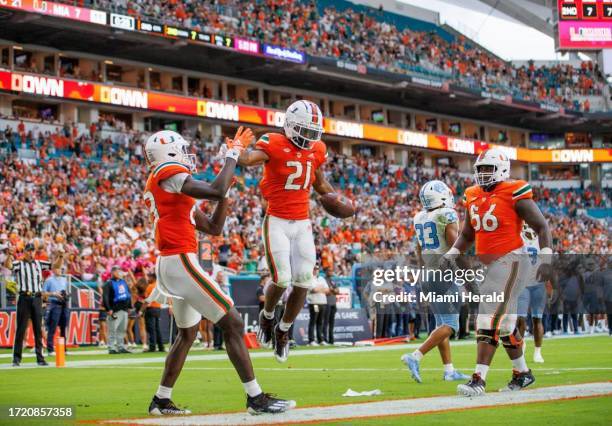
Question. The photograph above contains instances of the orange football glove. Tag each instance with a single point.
(242, 139)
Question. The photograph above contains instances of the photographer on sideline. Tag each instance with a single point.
(117, 300)
(56, 290)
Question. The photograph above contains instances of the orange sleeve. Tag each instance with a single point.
(321, 153)
(166, 170)
(264, 143)
(521, 190)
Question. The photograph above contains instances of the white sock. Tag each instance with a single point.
(537, 351)
(418, 355)
(163, 392)
(284, 326)
(520, 364)
(482, 370)
(448, 368)
(252, 388)
(268, 315)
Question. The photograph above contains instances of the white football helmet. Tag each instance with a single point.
(501, 167)
(303, 123)
(167, 145)
(435, 194)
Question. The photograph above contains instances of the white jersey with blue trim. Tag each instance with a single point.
(430, 228)
(532, 248)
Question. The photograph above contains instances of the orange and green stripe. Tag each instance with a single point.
(268, 251)
(208, 287)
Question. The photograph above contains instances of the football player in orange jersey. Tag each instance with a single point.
(171, 194)
(496, 208)
(292, 165)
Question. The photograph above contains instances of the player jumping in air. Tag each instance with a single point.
(292, 165)
(436, 228)
(171, 194)
(496, 208)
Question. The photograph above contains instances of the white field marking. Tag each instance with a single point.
(121, 360)
(379, 409)
(29, 353)
(315, 369)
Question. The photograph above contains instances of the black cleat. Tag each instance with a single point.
(266, 326)
(519, 381)
(16, 363)
(475, 387)
(42, 363)
(165, 407)
(124, 351)
(266, 403)
(112, 352)
(281, 344)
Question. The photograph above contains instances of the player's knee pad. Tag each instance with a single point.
(512, 340)
(487, 336)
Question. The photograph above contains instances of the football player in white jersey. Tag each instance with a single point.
(533, 297)
(436, 228)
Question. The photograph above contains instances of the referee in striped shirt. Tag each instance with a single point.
(28, 273)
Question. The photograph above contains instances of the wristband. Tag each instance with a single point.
(232, 153)
(453, 251)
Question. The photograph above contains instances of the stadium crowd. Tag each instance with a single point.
(85, 200)
(367, 39)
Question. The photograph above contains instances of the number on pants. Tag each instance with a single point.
(488, 222)
(299, 169)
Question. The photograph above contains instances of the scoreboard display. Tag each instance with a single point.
(584, 24)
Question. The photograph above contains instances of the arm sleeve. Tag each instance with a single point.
(264, 143)
(16, 266)
(174, 183)
(46, 286)
(521, 191)
(44, 265)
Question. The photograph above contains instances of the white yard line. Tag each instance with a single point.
(351, 370)
(403, 407)
(122, 360)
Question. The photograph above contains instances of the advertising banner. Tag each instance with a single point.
(190, 106)
(351, 325)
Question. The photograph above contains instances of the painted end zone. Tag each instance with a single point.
(388, 408)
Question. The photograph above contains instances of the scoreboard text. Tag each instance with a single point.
(584, 24)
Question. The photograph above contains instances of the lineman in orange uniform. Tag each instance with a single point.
(292, 166)
(171, 194)
(496, 208)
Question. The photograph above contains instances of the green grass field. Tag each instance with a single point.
(211, 386)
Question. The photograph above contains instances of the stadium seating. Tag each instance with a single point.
(377, 39)
(83, 200)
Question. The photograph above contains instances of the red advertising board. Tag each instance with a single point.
(584, 24)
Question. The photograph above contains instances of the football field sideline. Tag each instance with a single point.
(391, 408)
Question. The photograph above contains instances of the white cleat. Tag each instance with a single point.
(475, 387)
(538, 358)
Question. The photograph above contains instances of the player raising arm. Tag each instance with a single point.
(292, 165)
(496, 208)
(170, 195)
